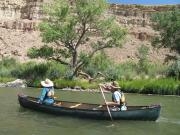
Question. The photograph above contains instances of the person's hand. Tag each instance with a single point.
(39, 102)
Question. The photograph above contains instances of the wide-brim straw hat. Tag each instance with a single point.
(47, 83)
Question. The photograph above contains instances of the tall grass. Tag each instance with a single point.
(168, 86)
(6, 66)
(62, 83)
(33, 72)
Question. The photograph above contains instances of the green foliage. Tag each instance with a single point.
(31, 71)
(142, 64)
(33, 52)
(6, 66)
(63, 83)
(8, 62)
(70, 27)
(126, 71)
(34, 71)
(174, 69)
(100, 62)
(56, 70)
(152, 86)
(86, 85)
(133, 86)
(157, 70)
(162, 86)
(43, 52)
(111, 73)
(68, 74)
(34, 83)
(6, 79)
(168, 23)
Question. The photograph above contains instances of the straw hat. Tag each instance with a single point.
(47, 83)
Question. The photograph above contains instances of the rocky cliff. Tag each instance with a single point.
(19, 19)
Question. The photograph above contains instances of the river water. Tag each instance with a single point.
(15, 120)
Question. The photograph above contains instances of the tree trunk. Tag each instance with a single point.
(74, 60)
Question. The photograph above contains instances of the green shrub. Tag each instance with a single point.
(6, 79)
(62, 83)
(112, 73)
(31, 71)
(5, 72)
(56, 70)
(86, 85)
(126, 71)
(68, 74)
(157, 70)
(174, 69)
(166, 86)
(34, 83)
(33, 52)
(161, 86)
(44, 52)
(99, 62)
(143, 63)
(6, 66)
(134, 86)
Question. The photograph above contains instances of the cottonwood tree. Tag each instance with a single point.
(72, 26)
(168, 23)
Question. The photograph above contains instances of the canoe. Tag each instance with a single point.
(92, 111)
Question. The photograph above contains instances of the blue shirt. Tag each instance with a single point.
(43, 98)
(43, 93)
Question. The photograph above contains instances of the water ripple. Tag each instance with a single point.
(166, 120)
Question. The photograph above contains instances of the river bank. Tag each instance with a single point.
(166, 86)
(18, 83)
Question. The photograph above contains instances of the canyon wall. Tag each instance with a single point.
(19, 20)
(23, 14)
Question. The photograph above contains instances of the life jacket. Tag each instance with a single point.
(123, 99)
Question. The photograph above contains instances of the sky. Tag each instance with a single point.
(145, 2)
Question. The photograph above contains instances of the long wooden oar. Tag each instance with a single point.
(106, 103)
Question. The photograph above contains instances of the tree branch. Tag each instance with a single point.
(81, 36)
(58, 59)
(97, 49)
(88, 77)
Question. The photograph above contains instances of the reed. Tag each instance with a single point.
(168, 86)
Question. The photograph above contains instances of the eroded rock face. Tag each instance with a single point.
(138, 17)
(11, 9)
(13, 13)
(20, 14)
(19, 20)
(21, 9)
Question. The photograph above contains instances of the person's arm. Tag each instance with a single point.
(111, 103)
(106, 86)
